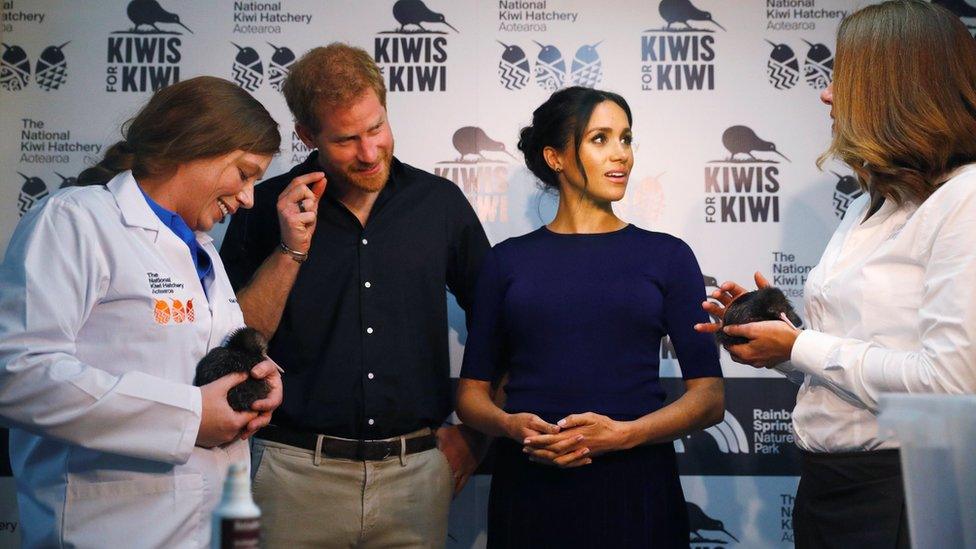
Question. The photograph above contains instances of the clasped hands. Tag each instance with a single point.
(770, 341)
(572, 441)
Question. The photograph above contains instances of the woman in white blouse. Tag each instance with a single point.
(891, 307)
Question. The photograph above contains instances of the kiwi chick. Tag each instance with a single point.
(757, 305)
(244, 348)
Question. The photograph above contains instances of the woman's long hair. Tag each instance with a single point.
(904, 98)
(202, 117)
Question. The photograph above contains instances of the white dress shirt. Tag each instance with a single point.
(891, 307)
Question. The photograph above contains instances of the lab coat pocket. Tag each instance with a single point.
(147, 511)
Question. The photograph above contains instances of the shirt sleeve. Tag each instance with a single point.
(53, 276)
(697, 352)
(248, 242)
(484, 351)
(945, 360)
(467, 248)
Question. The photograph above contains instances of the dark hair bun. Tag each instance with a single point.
(558, 123)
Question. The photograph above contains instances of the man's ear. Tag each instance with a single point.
(306, 135)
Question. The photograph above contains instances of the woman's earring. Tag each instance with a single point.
(559, 170)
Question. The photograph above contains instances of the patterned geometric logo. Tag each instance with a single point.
(846, 191)
(783, 67)
(962, 8)
(31, 192)
(50, 71)
(248, 72)
(701, 524)
(174, 311)
(550, 72)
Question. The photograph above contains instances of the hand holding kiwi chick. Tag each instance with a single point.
(767, 303)
(244, 349)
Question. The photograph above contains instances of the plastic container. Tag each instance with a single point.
(236, 520)
(937, 434)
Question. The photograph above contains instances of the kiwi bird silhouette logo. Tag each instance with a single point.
(15, 68)
(151, 13)
(846, 191)
(587, 68)
(415, 12)
(818, 69)
(248, 71)
(550, 68)
(278, 67)
(513, 69)
(67, 181)
(699, 521)
(31, 192)
(782, 68)
(682, 11)
(740, 140)
(472, 140)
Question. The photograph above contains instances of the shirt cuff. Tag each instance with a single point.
(810, 352)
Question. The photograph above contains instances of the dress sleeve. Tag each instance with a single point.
(945, 361)
(467, 248)
(52, 278)
(683, 296)
(484, 352)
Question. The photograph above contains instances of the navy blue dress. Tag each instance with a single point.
(576, 321)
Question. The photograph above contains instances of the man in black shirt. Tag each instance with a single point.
(343, 264)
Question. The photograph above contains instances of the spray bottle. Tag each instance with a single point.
(236, 520)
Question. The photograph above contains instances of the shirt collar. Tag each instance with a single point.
(171, 220)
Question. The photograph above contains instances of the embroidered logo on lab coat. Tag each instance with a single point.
(173, 311)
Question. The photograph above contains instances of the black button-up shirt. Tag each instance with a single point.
(363, 336)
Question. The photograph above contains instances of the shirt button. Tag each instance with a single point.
(370, 375)
(371, 421)
(369, 330)
(367, 284)
(365, 242)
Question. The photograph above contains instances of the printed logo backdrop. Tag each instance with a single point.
(726, 116)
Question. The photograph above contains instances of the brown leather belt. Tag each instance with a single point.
(356, 450)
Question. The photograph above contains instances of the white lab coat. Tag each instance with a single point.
(102, 322)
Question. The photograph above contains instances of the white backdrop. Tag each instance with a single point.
(726, 114)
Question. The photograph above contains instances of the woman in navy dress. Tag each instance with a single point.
(571, 317)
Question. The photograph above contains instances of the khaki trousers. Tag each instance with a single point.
(326, 502)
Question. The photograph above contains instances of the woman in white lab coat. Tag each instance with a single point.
(110, 293)
(890, 306)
